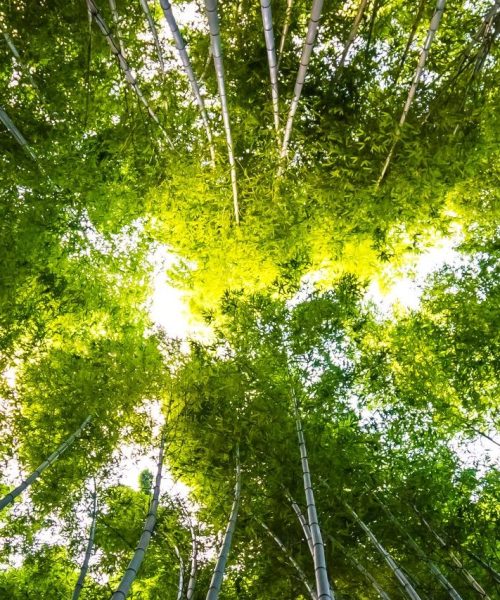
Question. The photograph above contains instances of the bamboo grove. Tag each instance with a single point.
(288, 157)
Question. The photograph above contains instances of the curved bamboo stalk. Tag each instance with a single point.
(433, 27)
(291, 560)
(320, 570)
(17, 135)
(218, 574)
(122, 61)
(445, 583)
(11, 496)
(134, 565)
(485, 565)
(400, 576)
(353, 32)
(213, 23)
(376, 585)
(286, 27)
(180, 585)
(88, 552)
(188, 69)
(312, 31)
(267, 20)
(154, 33)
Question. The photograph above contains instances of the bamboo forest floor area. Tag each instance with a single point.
(249, 300)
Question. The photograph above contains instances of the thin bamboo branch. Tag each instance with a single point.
(291, 560)
(411, 37)
(352, 33)
(213, 23)
(312, 31)
(11, 496)
(88, 553)
(134, 565)
(433, 27)
(218, 574)
(154, 33)
(267, 20)
(188, 69)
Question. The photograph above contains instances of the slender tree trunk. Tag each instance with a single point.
(353, 32)
(292, 561)
(134, 565)
(303, 523)
(10, 497)
(154, 33)
(433, 27)
(188, 69)
(452, 592)
(456, 560)
(286, 27)
(320, 570)
(376, 585)
(180, 585)
(218, 574)
(88, 552)
(17, 135)
(213, 23)
(401, 577)
(312, 31)
(122, 61)
(411, 37)
(267, 20)
(373, 18)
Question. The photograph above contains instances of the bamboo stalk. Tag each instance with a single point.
(456, 560)
(213, 23)
(194, 563)
(445, 583)
(218, 574)
(122, 61)
(303, 523)
(411, 37)
(312, 31)
(433, 27)
(376, 585)
(17, 135)
(180, 44)
(353, 32)
(400, 576)
(11, 496)
(267, 20)
(154, 33)
(180, 585)
(116, 21)
(323, 590)
(286, 27)
(88, 553)
(291, 560)
(134, 565)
